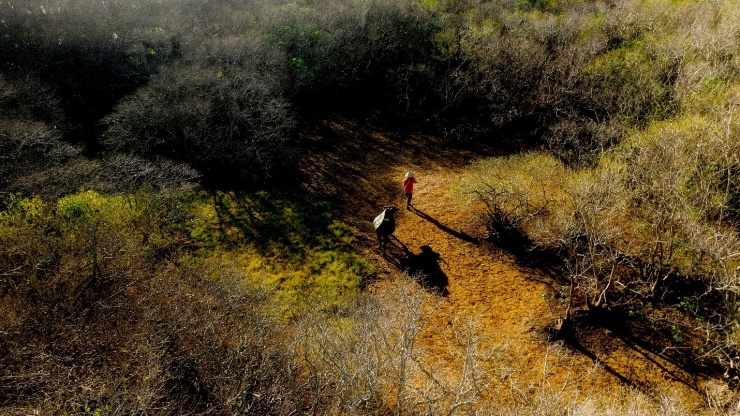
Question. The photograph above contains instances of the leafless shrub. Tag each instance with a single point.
(358, 361)
(514, 191)
(119, 173)
(578, 140)
(369, 360)
(112, 322)
(27, 147)
(678, 194)
(593, 239)
(217, 121)
(511, 69)
(702, 40)
(721, 399)
(27, 98)
(223, 350)
(126, 173)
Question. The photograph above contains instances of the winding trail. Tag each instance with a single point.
(359, 164)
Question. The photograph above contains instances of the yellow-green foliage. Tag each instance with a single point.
(23, 245)
(16, 233)
(102, 229)
(630, 80)
(534, 6)
(61, 253)
(22, 209)
(290, 247)
(715, 98)
(324, 280)
(90, 205)
(73, 216)
(297, 252)
(682, 183)
(518, 191)
(532, 170)
(523, 183)
(434, 5)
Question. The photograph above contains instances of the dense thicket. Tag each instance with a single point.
(652, 219)
(218, 86)
(240, 75)
(632, 105)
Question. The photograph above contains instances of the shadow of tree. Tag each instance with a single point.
(597, 332)
(285, 225)
(654, 344)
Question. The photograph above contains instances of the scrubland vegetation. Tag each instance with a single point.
(158, 256)
(651, 218)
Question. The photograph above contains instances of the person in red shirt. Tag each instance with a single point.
(408, 187)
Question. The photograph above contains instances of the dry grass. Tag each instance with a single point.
(510, 297)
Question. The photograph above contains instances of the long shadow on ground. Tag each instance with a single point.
(654, 344)
(599, 332)
(457, 234)
(424, 266)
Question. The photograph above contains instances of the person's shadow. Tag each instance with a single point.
(424, 268)
(458, 234)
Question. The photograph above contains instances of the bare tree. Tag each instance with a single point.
(215, 120)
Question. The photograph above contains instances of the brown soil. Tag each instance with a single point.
(359, 164)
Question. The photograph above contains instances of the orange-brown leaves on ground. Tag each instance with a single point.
(507, 300)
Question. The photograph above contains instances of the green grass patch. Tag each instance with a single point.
(288, 245)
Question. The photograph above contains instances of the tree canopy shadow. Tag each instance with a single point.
(275, 223)
(350, 160)
(596, 334)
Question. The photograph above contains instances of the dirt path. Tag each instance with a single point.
(360, 165)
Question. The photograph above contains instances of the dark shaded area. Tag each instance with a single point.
(86, 70)
(689, 293)
(597, 331)
(424, 266)
(185, 384)
(585, 351)
(276, 223)
(516, 243)
(336, 150)
(593, 333)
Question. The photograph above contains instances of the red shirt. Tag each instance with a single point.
(408, 185)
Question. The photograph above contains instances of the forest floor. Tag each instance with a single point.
(511, 295)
